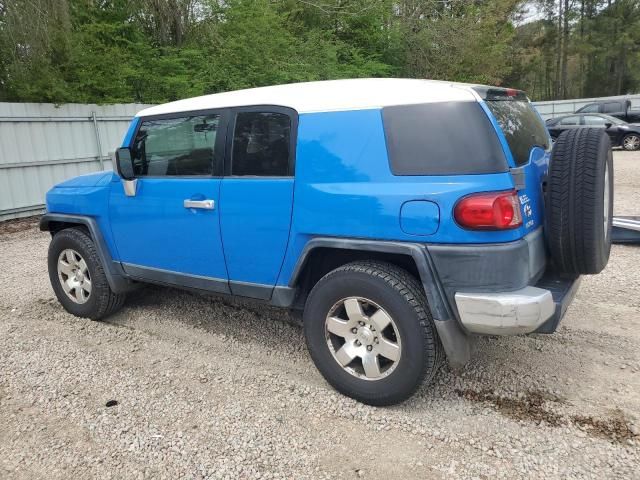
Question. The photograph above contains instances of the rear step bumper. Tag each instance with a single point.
(563, 290)
(531, 309)
(626, 230)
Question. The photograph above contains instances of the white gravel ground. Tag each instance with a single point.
(211, 388)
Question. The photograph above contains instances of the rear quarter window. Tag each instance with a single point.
(612, 107)
(452, 138)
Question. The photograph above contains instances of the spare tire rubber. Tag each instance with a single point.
(579, 201)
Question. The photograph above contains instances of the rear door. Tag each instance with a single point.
(256, 197)
(169, 230)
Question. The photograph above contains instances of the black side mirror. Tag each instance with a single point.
(124, 163)
(608, 125)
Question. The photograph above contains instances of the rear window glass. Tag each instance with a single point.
(452, 138)
(521, 126)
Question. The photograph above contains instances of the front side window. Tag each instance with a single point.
(181, 146)
(261, 142)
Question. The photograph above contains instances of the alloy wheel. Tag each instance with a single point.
(363, 338)
(74, 276)
(631, 142)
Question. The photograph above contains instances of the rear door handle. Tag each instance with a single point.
(203, 204)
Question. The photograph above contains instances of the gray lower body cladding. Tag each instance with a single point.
(444, 270)
(504, 267)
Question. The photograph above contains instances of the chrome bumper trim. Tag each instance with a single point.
(509, 313)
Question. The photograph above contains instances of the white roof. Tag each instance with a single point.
(331, 95)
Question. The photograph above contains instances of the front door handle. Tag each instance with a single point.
(203, 204)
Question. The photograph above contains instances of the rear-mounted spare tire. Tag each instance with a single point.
(579, 201)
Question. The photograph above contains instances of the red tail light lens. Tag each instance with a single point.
(489, 211)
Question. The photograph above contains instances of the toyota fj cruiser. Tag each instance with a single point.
(400, 217)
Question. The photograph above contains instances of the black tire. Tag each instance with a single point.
(578, 239)
(631, 142)
(101, 301)
(399, 294)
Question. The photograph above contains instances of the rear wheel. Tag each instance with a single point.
(631, 142)
(370, 333)
(77, 276)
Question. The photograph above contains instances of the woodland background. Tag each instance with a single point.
(152, 51)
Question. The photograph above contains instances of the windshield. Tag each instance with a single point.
(521, 126)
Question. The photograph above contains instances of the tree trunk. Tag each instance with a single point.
(581, 48)
(565, 48)
(556, 86)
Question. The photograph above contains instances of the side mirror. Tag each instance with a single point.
(124, 163)
(608, 125)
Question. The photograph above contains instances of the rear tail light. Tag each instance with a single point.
(489, 211)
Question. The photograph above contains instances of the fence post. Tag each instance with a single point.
(98, 142)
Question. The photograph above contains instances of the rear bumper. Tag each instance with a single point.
(503, 289)
(536, 308)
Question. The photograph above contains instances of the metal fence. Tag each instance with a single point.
(555, 108)
(42, 144)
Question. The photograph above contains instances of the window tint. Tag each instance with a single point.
(261, 144)
(594, 121)
(570, 121)
(612, 107)
(441, 139)
(521, 126)
(176, 146)
(592, 108)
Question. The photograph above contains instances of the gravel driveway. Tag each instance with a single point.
(212, 388)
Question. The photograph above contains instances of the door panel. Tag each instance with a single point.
(169, 230)
(256, 197)
(255, 220)
(154, 229)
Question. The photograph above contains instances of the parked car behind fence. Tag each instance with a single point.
(621, 133)
(619, 108)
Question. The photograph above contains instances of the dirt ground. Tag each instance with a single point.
(178, 385)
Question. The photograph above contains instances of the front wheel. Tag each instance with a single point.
(631, 142)
(77, 276)
(370, 333)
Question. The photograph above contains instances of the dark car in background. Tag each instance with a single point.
(621, 133)
(621, 109)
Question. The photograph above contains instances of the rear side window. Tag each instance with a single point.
(521, 126)
(180, 146)
(261, 142)
(452, 138)
(570, 121)
(594, 120)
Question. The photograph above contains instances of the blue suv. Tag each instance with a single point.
(400, 218)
